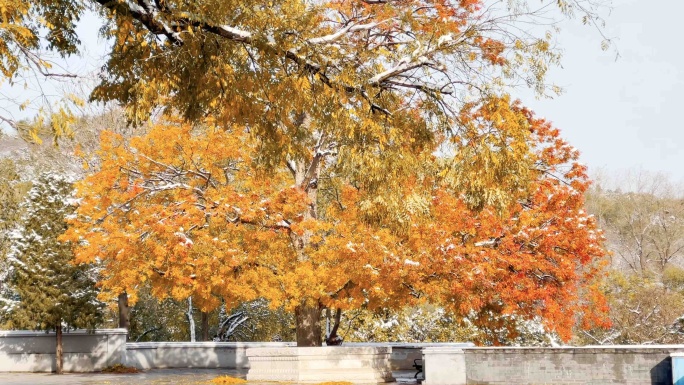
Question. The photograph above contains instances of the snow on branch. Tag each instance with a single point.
(228, 327)
(351, 27)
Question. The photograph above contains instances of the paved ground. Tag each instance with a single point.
(149, 377)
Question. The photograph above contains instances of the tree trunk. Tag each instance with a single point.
(58, 351)
(308, 317)
(331, 337)
(191, 320)
(205, 326)
(308, 322)
(124, 312)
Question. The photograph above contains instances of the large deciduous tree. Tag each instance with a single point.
(192, 211)
(353, 98)
(360, 124)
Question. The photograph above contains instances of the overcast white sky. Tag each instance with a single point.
(621, 114)
(627, 113)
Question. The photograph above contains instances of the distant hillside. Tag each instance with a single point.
(10, 145)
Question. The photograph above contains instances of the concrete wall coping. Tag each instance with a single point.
(443, 349)
(207, 344)
(38, 333)
(415, 345)
(318, 351)
(577, 349)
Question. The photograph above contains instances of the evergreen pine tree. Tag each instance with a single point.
(52, 292)
(12, 192)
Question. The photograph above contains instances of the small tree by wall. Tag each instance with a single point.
(52, 293)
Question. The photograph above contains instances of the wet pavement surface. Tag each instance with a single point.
(148, 377)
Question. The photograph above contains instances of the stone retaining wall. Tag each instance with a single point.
(629, 365)
(404, 353)
(31, 351)
(355, 364)
(207, 355)
(232, 355)
(445, 364)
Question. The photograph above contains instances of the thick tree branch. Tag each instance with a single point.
(12, 123)
(150, 16)
(148, 331)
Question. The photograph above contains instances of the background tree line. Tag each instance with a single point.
(642, 215)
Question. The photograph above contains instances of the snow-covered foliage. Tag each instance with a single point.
(516, 331)
(166, 320)
(231, 326)
(48, 289)
(12, 192)
(425, 323)
(254, 321)
(429, 323)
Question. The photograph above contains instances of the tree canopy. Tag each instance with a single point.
(188, 210)
(331, 153)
